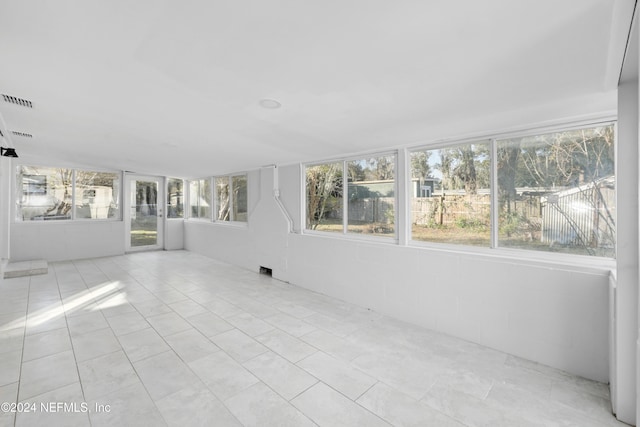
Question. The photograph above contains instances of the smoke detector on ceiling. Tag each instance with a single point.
(271, 104)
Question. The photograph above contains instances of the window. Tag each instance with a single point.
(175, 198)
(46, 193)
(370, 202)
(222, 198)
(556, 192)
(239, 185)
(450, 194)
(371, 195)
(553, 192)
(97, 194)
(200, 198)
(231, 198)
(324, 197)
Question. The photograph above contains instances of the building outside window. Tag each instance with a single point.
(556, 192)
(47, 193)
(450, 194)
(548, 191)
(370, 202)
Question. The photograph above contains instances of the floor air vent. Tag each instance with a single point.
(266, 271)
(17, 101)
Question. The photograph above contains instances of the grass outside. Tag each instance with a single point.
(144, 232)
(471, 236)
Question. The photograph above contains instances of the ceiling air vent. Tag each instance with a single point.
(17, 101)
(22, 134)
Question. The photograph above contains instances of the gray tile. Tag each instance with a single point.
(326, 406)
(222, 308)
(260, 406)
(338, 374)
(130, 406)
(402, 410)
(473, 411)
(168, 323)
(164, 374)
(11, 340)
(106, 374)
(142, 344)
(195, 407)
(74, 414)
(45, 344)
(187, 307)
(79, 325)
(224, 376)
(334, 345)
(47, 374)
(9, 394)
(249, 324)
(209, 324)
(289, 324)
(127, 323)
(191, 345)
(281, 375)
(424, 378)
(94, 344)
(151, 307)
(285, 345)
(238, 345)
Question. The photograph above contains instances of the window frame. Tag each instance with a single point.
(213, 214)
(212, 207)
(73, 216)
(403, 235)
(229, 178)
(392, 239)
(185, 184)
(495, 248)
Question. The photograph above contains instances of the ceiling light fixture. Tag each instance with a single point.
(8, 152)
(271, 104)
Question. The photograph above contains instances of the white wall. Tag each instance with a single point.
(546, 312)
(174, 234)
(65, 240)
(5, 205)
(626, 360)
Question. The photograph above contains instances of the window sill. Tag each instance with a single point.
(596, 265)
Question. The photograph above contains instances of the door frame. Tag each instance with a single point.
(128, 179)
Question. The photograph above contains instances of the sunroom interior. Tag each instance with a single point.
(462, 171)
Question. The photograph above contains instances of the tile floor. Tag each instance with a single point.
(174, 338)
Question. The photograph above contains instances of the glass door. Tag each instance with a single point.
(144, 212)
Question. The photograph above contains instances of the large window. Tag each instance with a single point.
(175, 198)
(450, 194)
(556, 192)
(239, 193)
(231, 198)
(46, 193)
(200, 198)
(324, 197)
(549, 191)
(97, 194)
(369, 207)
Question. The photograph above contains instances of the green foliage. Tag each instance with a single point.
(472, 223)
(420, 167)
(324, 192)
(513, 223)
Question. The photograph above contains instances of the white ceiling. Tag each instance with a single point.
(173, 87)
